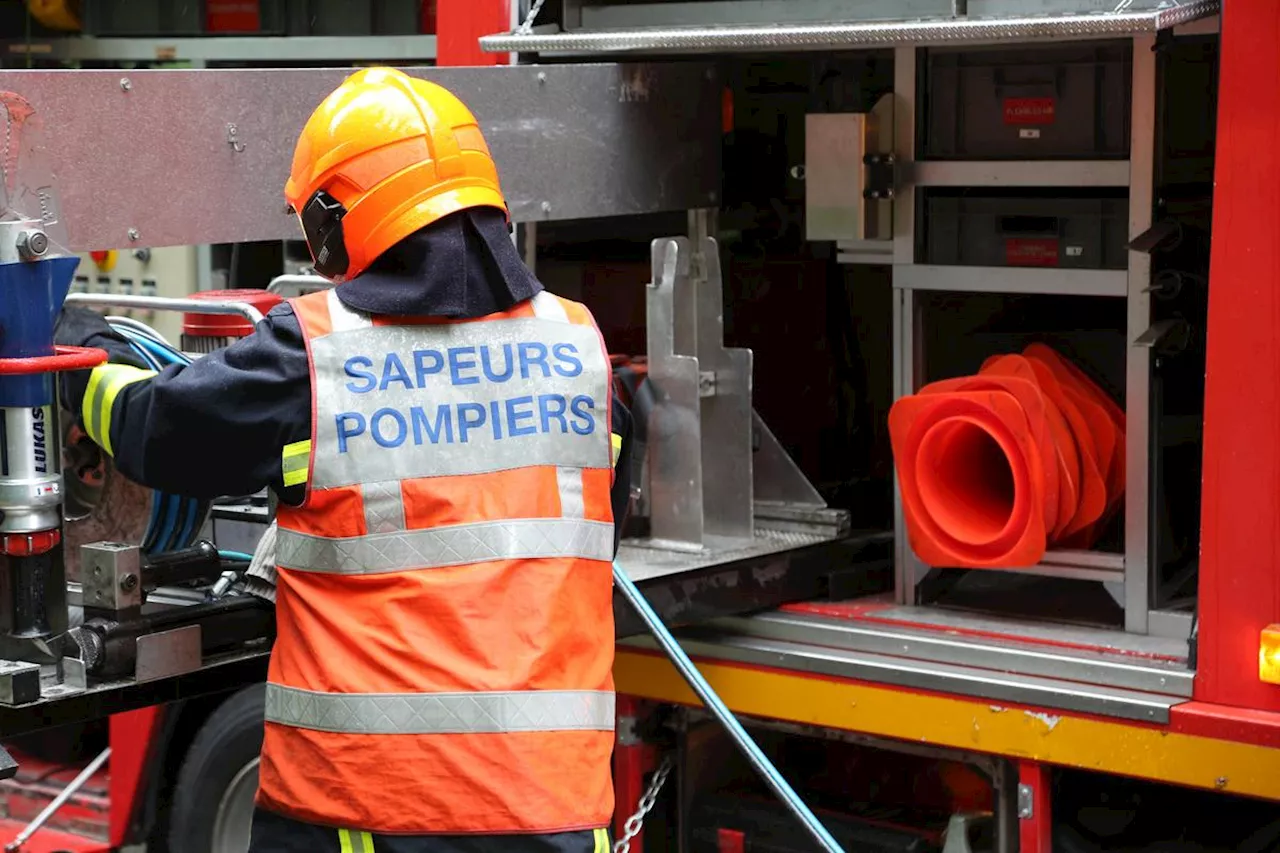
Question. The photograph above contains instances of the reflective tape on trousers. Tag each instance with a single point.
(437, 547)
(400, 402)
(441, 713)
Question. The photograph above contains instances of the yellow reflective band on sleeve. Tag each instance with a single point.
(105, 384)
(602, 836)
(366, 842)
(616, 441)
(295, 462)
(344, 841)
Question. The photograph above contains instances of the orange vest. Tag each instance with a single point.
(443, 661)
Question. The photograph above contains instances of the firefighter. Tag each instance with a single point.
(451, 471)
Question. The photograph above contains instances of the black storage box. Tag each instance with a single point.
(1042, 103)
(355, 17)
(143, 17)
(179, 18)
(970, 228)
(150, 18)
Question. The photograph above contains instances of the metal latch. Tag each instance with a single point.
(881, 176)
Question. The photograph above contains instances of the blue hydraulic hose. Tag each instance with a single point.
(758, 759)
(173, 517)
(236, 556)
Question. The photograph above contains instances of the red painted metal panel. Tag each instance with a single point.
(38, 782)
(51, 841)
(132, 739)
(1035, 832)
(631, 763)
(461, 23)
(1240, 521)
(1241, 725)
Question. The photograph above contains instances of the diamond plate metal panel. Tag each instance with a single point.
(1143, 18)
(149, 158)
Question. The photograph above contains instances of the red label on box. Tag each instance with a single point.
(731, 841)
(1031, 252)
(1029, 110)
(233, 16)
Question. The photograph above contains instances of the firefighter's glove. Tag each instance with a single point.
(84, 327)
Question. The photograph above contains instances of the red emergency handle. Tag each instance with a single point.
(63, 359)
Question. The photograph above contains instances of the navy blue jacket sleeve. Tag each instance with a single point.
(217, 427)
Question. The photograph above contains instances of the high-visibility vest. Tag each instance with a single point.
(444, 652)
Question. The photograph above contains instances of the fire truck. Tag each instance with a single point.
(948, 329)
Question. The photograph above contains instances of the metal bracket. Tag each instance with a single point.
(1026, 802)
(233, 134)
(958, 830)
(19, 682)
(881, 176)
(168, 653)
(8, 767)
(1166, 336)
(1163, 236)
(627, 735)
(111, 576)
(700, 430)
(851, 174)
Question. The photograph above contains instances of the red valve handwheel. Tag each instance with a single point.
(63, 358)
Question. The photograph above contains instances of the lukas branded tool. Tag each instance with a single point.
(35, 276)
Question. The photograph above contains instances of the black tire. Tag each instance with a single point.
(226, 745)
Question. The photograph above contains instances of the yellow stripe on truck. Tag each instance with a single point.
(1109, 746)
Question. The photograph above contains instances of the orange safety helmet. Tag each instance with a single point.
(383, 156)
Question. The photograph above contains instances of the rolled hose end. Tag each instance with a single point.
(997, 467)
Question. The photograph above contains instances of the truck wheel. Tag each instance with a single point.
(213, 798)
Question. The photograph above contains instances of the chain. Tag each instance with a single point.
(527, 27)
(636, 822)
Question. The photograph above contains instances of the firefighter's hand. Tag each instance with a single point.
(84, 327)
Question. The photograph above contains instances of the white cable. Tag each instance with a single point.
(139, 327)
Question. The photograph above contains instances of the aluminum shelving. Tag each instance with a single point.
(1126, 575)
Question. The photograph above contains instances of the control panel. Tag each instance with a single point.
(169, 271)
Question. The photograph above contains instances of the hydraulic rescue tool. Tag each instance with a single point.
(35, 275)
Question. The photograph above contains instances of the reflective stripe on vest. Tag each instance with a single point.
(441, 713)
(437, 547)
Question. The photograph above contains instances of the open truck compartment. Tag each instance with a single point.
(784, 230)
(1007, 241)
